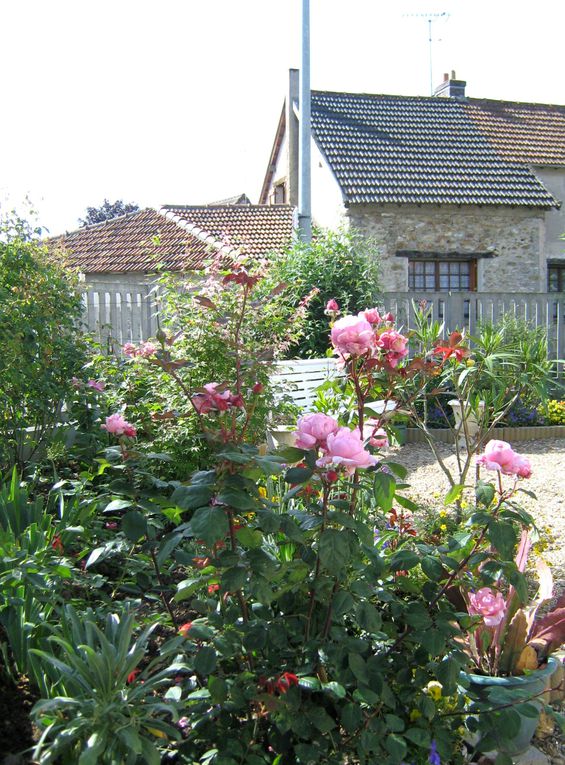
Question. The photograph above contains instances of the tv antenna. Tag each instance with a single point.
(430, 17)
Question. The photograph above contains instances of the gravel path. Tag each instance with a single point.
(429, 485)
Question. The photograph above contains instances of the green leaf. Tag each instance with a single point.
(320, 719)
(453, 494)
(351, 717)
(186, 588)
(368, 617)
(268, 521)
(397, 469)
(432, 640)
(218, 689)
(396, 746)
(447, 673)
(134, 525)
(205, 661)
(117, 504)
(404, 560)
(298, 475)
(394, 723)
(250, 538)
(233, 579)
(291, 454)
(384, 487)
(484, 493)
(334, 550)
(358, 666)
(335, 688)
(503, 537)
(237, 499)
(418, 736)
(193, 496)
(342, 603)
(432, 568)
(209, 524)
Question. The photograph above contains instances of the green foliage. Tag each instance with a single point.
(40, 309)
(106, 211)
(104, 708)
(341, 265)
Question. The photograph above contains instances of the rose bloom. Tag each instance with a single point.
(146, 350)
(332, 306)
(345, 448)
(379, 439)
(488, 604)
(119, 426)
(352, 335)
(499, 455)
(212, 400)
(129, 349)
(313, 430)
(372, 315)
(393, 345)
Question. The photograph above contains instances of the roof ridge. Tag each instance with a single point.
(199, 233)
(436, 99)
(221, 207)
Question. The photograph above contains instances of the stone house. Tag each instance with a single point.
(462, 194)
(118, 259)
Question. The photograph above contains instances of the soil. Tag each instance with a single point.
(16, 731)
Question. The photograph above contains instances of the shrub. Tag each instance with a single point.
(342, 266)
(40, 310)
(556, 412)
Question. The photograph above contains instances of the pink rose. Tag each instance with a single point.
(488, 604)
(214, 401)
(118, 426)
(129, 349)
(379, 439)
(499, 455)
(393, 345)
(332, 306)
(345, 448)
(96, 385)
(389, 317)
(372, 315)
(146, 350)
(313, 430)
(352, 335)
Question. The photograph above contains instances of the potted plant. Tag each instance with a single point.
(509, 646)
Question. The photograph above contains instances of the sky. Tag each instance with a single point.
(177, 101)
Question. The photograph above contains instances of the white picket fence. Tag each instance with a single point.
(123, 309)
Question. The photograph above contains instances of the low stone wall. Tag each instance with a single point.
(538, 432)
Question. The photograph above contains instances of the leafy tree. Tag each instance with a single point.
(40, 310)
(107, 211)
(342, 265)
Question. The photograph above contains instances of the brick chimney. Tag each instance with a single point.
(451, 87)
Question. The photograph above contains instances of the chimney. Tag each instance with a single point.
(451, 87)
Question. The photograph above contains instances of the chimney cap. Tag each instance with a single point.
(451, 87)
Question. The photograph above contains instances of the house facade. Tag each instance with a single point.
(460, 194)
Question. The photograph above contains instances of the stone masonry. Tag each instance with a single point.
(514, 236)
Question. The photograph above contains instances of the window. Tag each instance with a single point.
(442, 275)
(556, 277)
(279, 194)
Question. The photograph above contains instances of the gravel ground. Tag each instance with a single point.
(429, 485)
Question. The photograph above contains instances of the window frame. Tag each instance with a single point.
(559, 267)
(437, 263)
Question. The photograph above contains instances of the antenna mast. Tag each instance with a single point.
(429, 17)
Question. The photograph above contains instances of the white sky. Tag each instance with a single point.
(177, 101)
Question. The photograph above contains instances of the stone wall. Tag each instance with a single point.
(514, 236)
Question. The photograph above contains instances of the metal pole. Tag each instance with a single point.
(304, 133)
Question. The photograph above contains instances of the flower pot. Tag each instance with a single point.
(471, 423)
(527, 689)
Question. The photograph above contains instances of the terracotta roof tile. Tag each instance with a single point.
(188, 236)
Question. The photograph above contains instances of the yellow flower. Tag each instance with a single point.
(443, 527)
(443, 513)
(434, 689)
(415, 714)
(470, 362)
(262, 492)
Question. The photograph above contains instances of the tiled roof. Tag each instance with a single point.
(426, 150)
(188, 236)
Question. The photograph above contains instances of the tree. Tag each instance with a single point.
(107, 211)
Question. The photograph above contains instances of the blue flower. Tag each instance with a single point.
(434, 758)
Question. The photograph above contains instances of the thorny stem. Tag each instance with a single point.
(325, 497)
(162, 587)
